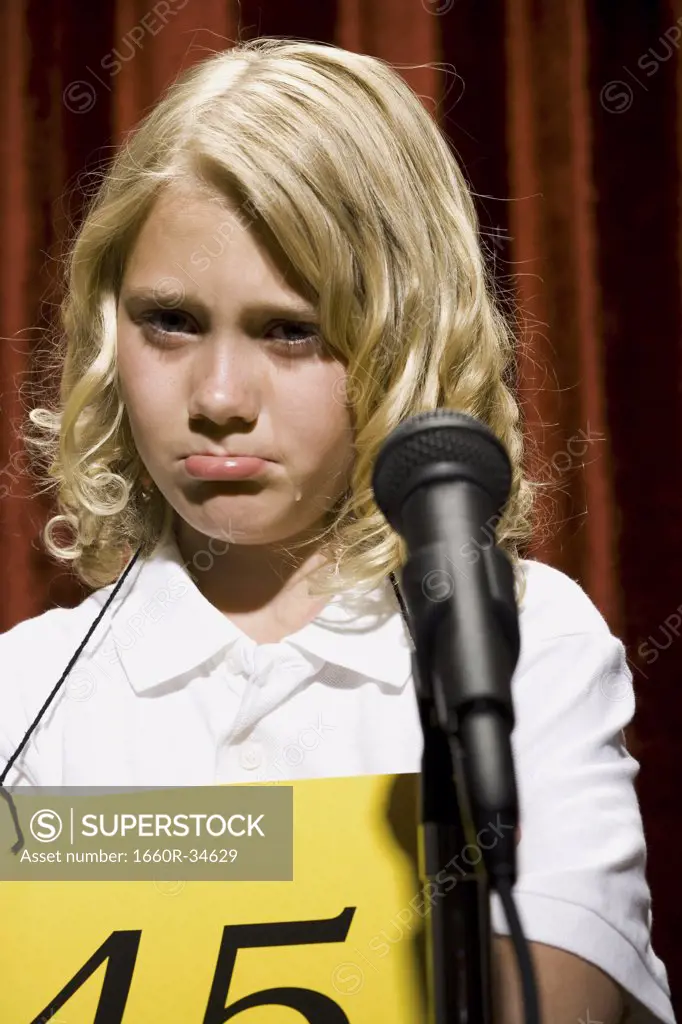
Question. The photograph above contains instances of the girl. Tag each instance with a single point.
(280, 266)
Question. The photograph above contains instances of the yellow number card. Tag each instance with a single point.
(342, 942)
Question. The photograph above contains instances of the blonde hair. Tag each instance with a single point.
(337, 157)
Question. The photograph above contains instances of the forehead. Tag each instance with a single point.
(186, 215)
(192, 232)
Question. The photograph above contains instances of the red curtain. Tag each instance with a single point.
(567, 117)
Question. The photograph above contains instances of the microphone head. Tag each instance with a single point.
(439, 445)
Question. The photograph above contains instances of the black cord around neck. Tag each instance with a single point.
(5, 792)
(403, 606)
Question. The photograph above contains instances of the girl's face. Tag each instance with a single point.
(218, 353)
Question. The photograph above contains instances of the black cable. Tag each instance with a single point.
(3, 791)
(523, 958)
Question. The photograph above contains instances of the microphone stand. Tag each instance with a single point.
(459, 939)
(459, 934)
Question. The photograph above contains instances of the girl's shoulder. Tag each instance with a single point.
(35, 652)
(42, 636)
(555, 605)
(569, 657)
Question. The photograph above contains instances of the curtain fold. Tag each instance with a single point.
(554, 252)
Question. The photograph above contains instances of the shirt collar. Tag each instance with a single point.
(164, 627)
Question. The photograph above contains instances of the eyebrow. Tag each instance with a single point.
(146, 295)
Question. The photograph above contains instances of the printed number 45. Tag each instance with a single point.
(120, 952)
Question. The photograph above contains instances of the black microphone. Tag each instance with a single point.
(442, 479)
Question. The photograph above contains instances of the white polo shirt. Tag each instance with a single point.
(169, 692)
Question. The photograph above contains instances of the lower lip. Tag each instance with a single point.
(210, 467)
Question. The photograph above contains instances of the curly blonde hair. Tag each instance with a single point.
(334, 153)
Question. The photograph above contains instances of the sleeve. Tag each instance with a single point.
(581, 883)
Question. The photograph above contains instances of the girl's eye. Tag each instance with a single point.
(162, 324)
(310, 336)
(150, 322)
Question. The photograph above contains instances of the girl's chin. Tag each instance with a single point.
(245, 526)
